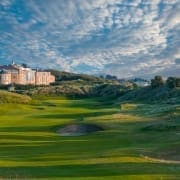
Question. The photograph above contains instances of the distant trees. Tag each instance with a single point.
(111, 77)
(178, 82)
(173, 82)
(67, 76)
(25, 65)
(157, 82)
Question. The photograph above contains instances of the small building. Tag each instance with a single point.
(11, 88)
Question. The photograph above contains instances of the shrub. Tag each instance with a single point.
(8, 97)
(173, 82)
(157, 82)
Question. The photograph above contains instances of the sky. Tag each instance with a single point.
(126, 38)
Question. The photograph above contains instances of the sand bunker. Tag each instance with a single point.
(79, 129)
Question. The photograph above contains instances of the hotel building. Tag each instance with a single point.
(17, 74)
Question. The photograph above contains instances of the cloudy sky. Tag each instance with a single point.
(127, 38)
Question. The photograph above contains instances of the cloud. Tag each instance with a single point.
(126, 38)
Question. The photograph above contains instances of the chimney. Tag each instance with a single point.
(13, 63)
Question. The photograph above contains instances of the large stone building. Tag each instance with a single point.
(17, 74)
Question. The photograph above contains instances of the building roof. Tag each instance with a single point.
(16, 67)
(8, 67)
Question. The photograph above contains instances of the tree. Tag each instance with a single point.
(24, 65)
(111, 77)
(173, 82)
(177, 82)
(157, 82)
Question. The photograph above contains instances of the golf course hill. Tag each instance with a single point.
(9, 97)
(77, 85)
(91, 129)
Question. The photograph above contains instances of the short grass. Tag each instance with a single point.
(30, 148)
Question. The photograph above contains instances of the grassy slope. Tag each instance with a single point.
(161, 94)
(8, 97)
(30, 147)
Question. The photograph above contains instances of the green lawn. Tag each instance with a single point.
(140, 141)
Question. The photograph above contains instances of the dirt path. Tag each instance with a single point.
(160, 160)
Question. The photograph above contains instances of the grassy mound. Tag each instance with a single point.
(8, 97)
(80, 89)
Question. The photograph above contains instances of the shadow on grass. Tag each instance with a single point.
(93, 104)
(152, 110)
(91, 170)
(25, 129)
(88, 103)
(73, 116)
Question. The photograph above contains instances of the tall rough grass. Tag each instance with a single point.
(9, 97)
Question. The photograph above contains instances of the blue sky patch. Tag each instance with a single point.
(134, 38)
